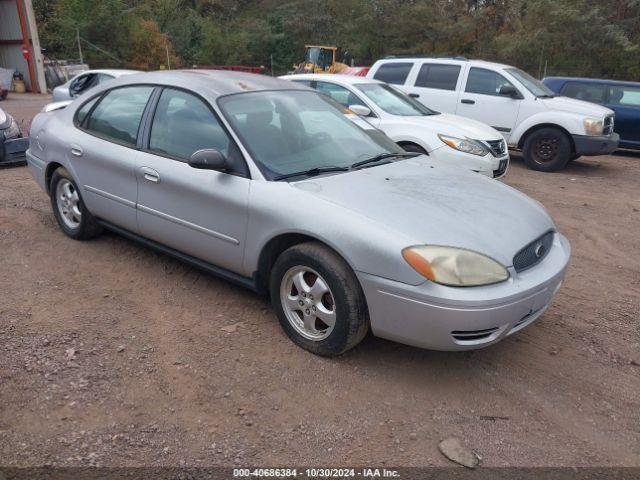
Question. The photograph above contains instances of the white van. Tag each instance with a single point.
(549, 129)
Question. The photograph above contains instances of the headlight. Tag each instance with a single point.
(464, 145)
(456, 267)
(13, 131)
(593, 126)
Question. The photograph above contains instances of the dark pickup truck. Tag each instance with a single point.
(621, 97)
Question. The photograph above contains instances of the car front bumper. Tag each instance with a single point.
(598, 145)
(490, 166)
(446, 318)
(12, 151)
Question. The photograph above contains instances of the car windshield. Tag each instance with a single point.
(532, 84)
(298, 131)
(393, 101)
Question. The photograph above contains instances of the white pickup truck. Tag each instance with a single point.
(549, 129)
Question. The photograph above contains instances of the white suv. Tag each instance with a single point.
(549, 129)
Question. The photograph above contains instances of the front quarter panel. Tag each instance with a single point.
(278, 208)
(530, 116)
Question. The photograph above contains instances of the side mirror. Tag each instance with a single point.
(209, 159)
(509, 91)
(360, 110)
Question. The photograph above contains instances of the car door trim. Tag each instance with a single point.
(246, 282)
(110, 196)
(193, 226)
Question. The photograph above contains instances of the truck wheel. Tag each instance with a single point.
(547, 150)
(69, 209)
(318, 299)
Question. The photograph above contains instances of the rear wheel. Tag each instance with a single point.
(547, 150)
(69, 209)
(318, 299)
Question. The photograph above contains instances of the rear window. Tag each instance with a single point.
(589, 92)
(443, 77)
(623, 95)
(395, 73)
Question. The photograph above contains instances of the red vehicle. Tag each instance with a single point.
(235, 68)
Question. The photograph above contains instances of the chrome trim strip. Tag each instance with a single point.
(110, 196)
(184, 223)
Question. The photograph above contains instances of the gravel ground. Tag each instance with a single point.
(114, 355)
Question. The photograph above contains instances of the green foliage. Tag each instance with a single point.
(572, 37)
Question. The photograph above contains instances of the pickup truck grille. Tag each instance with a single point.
(608, 125)
(533, 253)
(498, 147)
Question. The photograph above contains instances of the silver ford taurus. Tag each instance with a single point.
(275, 187)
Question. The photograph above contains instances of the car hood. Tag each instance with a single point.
(455, 126)
(571, 105)
(429, 202)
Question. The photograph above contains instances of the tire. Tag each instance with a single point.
(547, 150)
(77, 223)
(412, 147)
(318, 267)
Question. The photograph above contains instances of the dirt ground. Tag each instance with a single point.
(112, 354)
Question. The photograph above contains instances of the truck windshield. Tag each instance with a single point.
(296, 131)
(392, 101)
(532, 84)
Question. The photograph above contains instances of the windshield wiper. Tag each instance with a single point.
(383, 156)
(311, 172)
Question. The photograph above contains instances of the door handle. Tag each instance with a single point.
(76, 150)
(414, 95)
(466, 100)
(150, 174)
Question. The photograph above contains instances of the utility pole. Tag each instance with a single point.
(272, 65)
(166, 46)
(79, 46)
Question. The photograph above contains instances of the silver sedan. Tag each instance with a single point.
(270, 185)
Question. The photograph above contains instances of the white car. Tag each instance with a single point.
(461, 141)
(86, 81)
(550, 130)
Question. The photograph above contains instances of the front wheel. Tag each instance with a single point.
(318, 299)
(70, 211)
(547, 150)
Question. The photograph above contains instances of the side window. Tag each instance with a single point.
(625, 96)
(395, 73)
(117, 116)
(306, 83)
(486, 82)
(589, 92)
(339, 94)
(82, 112)
(184, 124)
(443, 77)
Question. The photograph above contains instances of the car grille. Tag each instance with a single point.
(498, 147)
(608, 125)
(533, 253)
(501, 168)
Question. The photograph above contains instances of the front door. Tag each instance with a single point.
(625, 101)
(481, 100)
(199, 212)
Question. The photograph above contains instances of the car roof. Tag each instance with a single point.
(593, 80)
(213, 82)
(111, 71)
(335, 77)
(472, 62)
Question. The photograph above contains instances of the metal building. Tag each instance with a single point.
(19, 43)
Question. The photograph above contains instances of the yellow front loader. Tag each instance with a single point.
(320, 59)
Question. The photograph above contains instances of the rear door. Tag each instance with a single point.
(436, 85)
(481, 100)
(625, 101)
(102, 152)
(199, 212)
